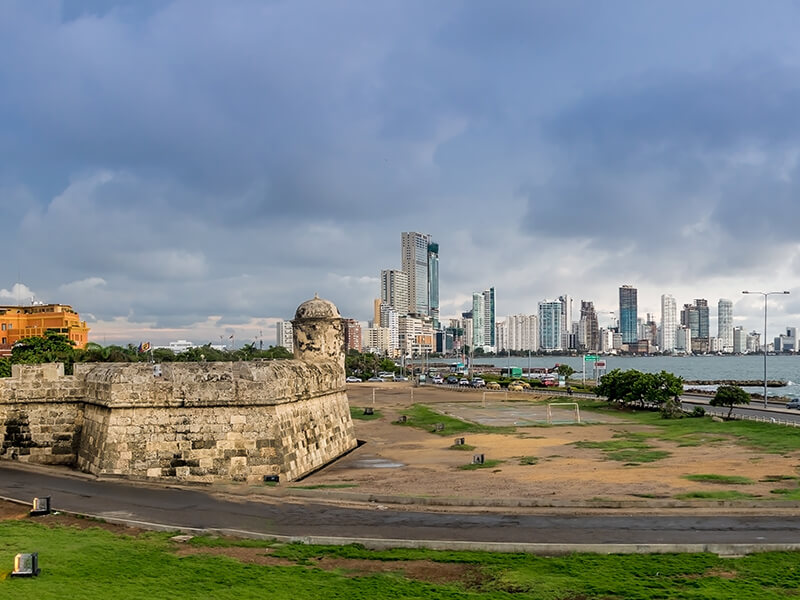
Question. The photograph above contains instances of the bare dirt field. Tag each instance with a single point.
(406, 461)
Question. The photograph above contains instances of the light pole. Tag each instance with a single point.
(764, 342)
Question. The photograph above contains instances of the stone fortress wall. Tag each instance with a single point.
(188, 421)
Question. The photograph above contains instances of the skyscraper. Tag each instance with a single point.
(588, 330)
(489, 324)
(420, 261)
(566, 319)
(433, 282)
(523, 332)
(669, 323)
(478, 331)
(628, 315)
(284, 336)
(725, 324)
(394, 290)
(550, 325)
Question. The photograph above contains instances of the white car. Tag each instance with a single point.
(352, 379)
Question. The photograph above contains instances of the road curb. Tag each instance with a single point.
(536, 548)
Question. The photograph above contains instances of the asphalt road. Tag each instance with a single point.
(200, 509)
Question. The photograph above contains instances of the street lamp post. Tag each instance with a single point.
(764, 341)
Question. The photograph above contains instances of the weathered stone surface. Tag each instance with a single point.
(191, 421)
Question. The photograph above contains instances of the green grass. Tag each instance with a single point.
(724, 479)
(94, 564)
(765, 437)
(422, 417)
(721, 495)
(462, 447)
(487, 464)
(787, 494)
(626, 447)
(358, 413)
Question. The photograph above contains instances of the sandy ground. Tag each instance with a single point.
(409, 462)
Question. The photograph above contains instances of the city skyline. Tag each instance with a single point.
(168, 186)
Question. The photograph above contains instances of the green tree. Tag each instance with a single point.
(730, 395)
(634, 387)
(52, 347)
(5, 367)
(565, 371)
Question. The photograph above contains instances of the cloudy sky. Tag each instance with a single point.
(192, 169)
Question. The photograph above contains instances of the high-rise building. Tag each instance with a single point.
(352, 335)
(395, 290)
(669, 322)
(683, 339)
(566, 319)
(588, 329)
(478, 314)
(420, 261)
(725, 324)
(628, 315)
(489, 324)
(501, 329)
(376, 339)
(389, 318)
(433, 282)
(739, 340)
(695, 317)
(283, 330)
(786, 342)
(523, 332)
(376, 313)
(550, 325)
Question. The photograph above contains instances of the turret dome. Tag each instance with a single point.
(317, 308)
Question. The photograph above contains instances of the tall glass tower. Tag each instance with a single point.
(433, 282)
(628, 316)
(550, 325)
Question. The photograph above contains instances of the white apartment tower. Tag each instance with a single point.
(414, 262)
(284, 335)
(725, 325)
(478, 327)
(669, 323)
(550, 325)
(523, 332)
(395, 290)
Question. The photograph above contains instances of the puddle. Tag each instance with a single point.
(376, 463)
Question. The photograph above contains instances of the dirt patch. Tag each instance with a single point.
(562, 471)
(13, 511)
(420, 570)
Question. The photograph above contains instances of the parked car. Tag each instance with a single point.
(452, 380)
(794, 403)
(352, 379)
(399, 378)
(492, 385)
(477, 382)
(464, 382)
(376, 379)
(515, 387)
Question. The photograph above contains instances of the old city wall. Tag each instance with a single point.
(192, 421)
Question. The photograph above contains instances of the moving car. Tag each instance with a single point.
(437, 379)
(478, 382)
(399, 378)
(352, 379)
(794, 403)
(464, 382)
(452, 380)
(492, 385)
(378, 379)
(515, 387)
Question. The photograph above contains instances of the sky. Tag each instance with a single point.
(195, 169)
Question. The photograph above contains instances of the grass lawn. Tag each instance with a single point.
(422, 417)
(701, 431)
(96, 564)
(357, 412)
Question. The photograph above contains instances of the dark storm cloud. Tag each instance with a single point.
(167, 162)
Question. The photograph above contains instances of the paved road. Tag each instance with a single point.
(200, 509)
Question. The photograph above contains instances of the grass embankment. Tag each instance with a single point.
(96, 564)
(422, 417)
(359, 413)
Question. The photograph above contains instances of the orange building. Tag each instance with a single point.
(20, 322)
